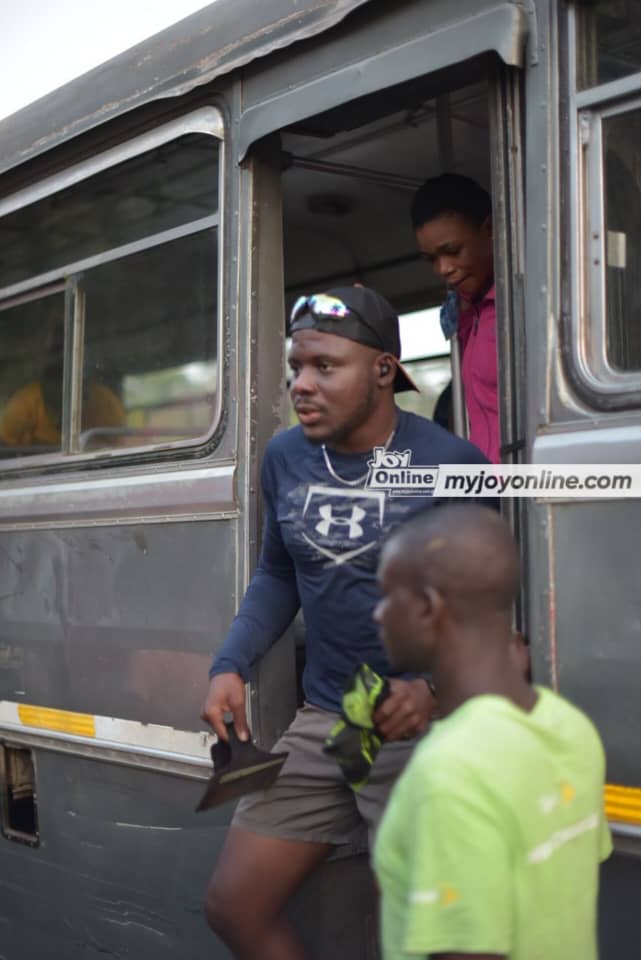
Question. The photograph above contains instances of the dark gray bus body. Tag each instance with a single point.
(122, 568)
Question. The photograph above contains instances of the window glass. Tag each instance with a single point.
(149, 370)
(31, 376)
(609, 41)
(425, 354)
(140, 355)
(621, 135)
(171, 185)
(421, 335)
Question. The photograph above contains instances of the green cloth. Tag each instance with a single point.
(493, 835)
(353, 740)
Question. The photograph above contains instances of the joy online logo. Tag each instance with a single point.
(391, 470)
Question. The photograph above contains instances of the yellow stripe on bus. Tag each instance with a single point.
(623, 804)
(62, 721)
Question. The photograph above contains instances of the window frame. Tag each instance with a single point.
(206, 120)
(601, 385)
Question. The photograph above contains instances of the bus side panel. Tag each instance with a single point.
(121, 868)
(598, 658)
(116, 621)
(619, 923)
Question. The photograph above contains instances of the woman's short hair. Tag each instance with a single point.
(450, 193)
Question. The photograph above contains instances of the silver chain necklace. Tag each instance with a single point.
(359, 480)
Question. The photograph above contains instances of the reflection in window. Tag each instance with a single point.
(150, 337)
(622, 176)
(171, 185)
(174, 402)
(609, 41)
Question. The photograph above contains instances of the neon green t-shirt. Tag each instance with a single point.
(493, 836)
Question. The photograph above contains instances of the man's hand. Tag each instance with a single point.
(226, 695)
(407, 710)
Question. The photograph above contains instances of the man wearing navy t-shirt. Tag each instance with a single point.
(333, 488)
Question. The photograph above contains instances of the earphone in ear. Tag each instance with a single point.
(385, 369)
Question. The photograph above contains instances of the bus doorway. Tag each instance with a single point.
(349, 177)
(348, 182)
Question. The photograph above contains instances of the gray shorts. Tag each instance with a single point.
(311, 800)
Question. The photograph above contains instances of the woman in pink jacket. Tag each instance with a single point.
(452, 219)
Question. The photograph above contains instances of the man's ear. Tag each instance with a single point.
(386, 369)
(433, 605)
(487, 226)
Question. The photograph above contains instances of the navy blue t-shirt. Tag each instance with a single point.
(321, 546)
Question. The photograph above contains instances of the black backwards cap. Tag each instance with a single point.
(356, 313)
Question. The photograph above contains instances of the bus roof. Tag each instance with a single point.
(216, 40)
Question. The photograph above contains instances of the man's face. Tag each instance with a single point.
(460, 252)
(334, 389)
(400, 615)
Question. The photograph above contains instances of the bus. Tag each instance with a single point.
(158, 217)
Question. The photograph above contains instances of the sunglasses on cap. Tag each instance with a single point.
(323, 306)
(320, 305)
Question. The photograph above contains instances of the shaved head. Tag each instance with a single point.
(466, 553)
(449, 578)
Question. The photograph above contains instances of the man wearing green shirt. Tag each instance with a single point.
(491, 842)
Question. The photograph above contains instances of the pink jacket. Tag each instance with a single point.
(477, 336)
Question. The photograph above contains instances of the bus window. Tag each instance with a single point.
(425, 354)
(136, 200)
(132, 331)
(149, 335)
(610, 41)
(607, 352)
(621, 136)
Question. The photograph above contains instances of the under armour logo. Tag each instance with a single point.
(324, 526)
